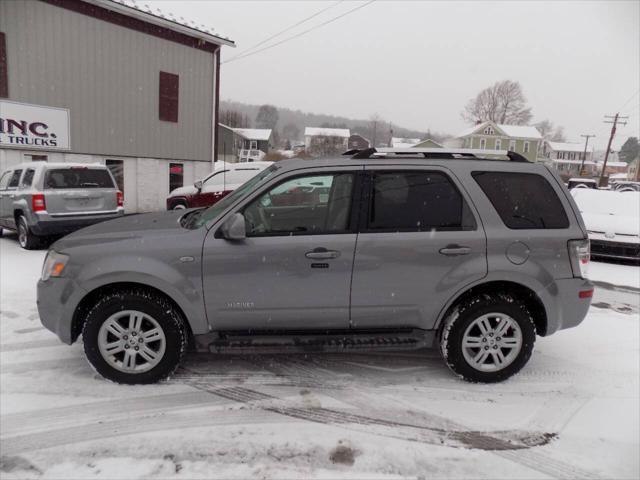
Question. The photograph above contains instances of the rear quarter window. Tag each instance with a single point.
(78, 178)
(524, 201)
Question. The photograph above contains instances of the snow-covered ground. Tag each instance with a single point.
(367, 415)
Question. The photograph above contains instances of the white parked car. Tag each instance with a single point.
(613, 222)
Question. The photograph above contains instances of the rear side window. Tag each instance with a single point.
(15, 179)
(78, 178)
(524, 201)
(27, 180)
(417, 201)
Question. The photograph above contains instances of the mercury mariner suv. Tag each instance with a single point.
(472, 251)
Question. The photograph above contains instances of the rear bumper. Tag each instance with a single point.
(45, 224)
(571, 306)
(57, 301)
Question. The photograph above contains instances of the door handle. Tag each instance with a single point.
(322, 254)
(455, 250)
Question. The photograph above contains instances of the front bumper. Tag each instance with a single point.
(45, 224)
(57, 301)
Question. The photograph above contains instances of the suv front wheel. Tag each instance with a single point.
(488, 338)
(134, 337)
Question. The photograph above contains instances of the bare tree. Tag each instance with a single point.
(267, 117)
(550, 132)
(503, 102)
(376, 124)
(234, 119)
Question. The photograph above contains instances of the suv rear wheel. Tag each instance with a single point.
(134, 337)
(488, 338)
(26, 238)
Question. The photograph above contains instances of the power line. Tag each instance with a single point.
(331, 20)
(628, 100)
(244, 52)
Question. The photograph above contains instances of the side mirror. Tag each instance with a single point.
(198, 184)
(234, 228)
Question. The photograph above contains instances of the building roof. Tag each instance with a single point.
(568, 147)
(398, 142)
(260, 134)
(573, 162)
(326, 132)
(133, 8)
(426, 142)
(515, 131)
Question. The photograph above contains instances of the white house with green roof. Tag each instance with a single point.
(522, 139)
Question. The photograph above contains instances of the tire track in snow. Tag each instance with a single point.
(16, 346)
(193, 418)
(41, 365)
(87, 413)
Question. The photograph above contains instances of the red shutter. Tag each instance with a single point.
(4, 70)
(168, 106)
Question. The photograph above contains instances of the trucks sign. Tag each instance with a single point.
(34, 127)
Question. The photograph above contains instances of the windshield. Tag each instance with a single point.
(201, 217)
(231, 177)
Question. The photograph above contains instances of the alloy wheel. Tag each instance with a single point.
(492, 342)
(131, 341)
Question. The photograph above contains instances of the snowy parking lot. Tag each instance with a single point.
(573, 412)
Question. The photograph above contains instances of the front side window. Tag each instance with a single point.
(15, 179)
(308, 205)
(27, 180)
(176, 176)
(77, 177)
(417, 201)
(4, 180)
(524, 201)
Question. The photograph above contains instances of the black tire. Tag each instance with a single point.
(26, 238)
(150, 303)
(464, 314)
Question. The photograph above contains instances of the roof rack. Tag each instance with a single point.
(448, 153)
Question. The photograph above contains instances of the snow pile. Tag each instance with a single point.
(609, 211)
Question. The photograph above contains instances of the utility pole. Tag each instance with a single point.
(584, 155)
(613, 119)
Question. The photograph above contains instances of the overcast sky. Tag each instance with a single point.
(417, 63)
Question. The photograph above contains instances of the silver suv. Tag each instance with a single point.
(383, 249)
(39, 199)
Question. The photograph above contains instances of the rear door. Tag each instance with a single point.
(8, 196)
(4, 194)
(79, 191)
(420, 242)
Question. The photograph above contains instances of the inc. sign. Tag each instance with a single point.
(33, 126)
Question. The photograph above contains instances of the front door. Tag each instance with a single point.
(293, 271)
(419, 244)
(8, 186)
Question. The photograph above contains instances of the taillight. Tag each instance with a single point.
(580, 254)
(37, 202)
(120, 198)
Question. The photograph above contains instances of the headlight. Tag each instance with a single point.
(54, 265)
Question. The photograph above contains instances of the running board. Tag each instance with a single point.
(304, 342)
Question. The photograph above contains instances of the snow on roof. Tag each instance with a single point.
(133, 8)
(586, 162)
(398, 142)
(568, 147)
(260, 134)
(516, 131)
(326, 132)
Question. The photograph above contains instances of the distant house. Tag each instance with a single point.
(324, 142)
(565, 151)
(398, 142)
(571, 168)
(634, 170)
(428, 143)
(489, 135)
(357, 142)
(243, 144)
(613, 168)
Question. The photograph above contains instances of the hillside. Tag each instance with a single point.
(291, 123)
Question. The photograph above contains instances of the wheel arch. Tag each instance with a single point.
(80, 313)
(528, 296)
